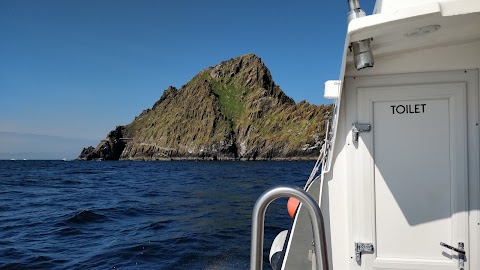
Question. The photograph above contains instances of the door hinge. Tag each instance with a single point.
(357, 128)
(360, 248)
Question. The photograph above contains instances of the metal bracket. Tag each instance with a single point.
(357, 128)
(461, 256)
(360, 248)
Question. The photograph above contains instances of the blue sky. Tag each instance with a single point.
(77, 69)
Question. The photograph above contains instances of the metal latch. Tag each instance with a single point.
(357, 128)
(360, 248)
(461, 253)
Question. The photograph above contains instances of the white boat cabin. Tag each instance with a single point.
(402, 175)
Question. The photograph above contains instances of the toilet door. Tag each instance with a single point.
(414, 175)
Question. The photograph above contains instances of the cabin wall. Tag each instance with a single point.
(454, 57)
(335, 200)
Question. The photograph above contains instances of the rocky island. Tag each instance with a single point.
(231, 111)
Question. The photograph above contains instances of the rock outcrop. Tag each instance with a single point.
(231, 111)
(86, 153)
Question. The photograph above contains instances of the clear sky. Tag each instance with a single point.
(77, 69)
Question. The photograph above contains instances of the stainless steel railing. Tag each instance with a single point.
(258, 219)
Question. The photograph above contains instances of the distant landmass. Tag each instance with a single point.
(231, 111)
(16, 145)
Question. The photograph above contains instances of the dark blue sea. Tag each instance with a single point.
(137, 215)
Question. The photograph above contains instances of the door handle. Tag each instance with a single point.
(461, 253)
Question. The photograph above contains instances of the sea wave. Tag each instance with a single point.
(87, 216)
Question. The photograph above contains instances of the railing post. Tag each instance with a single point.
(258, 218)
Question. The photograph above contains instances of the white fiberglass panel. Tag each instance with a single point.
(411, 172)
(412, 178)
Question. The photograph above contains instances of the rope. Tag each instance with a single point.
(322, 158)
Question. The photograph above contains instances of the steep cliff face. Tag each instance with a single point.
(232, 110)
(109, 149)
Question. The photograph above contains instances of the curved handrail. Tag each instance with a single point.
(258, 219)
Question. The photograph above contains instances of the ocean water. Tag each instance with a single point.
(137, 215)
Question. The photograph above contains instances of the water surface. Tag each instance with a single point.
(137, 215)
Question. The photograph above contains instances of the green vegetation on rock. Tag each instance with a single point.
(230, 99)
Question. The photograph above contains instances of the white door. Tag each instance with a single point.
(414, 175)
